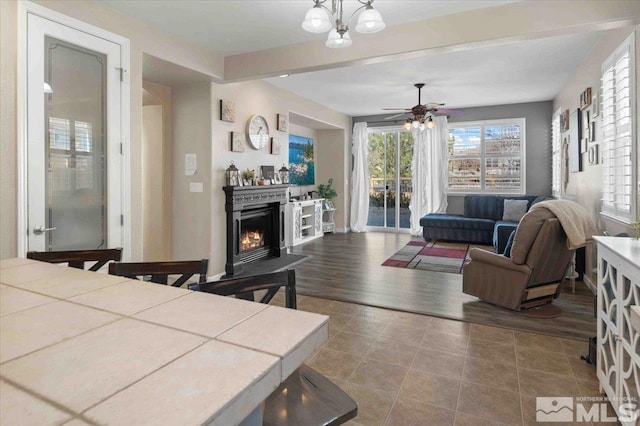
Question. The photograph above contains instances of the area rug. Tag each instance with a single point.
(430, 256)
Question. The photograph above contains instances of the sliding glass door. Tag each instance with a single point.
(390, 155)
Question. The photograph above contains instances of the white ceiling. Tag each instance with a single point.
(527, 71)
(515, 72)
(240, 26)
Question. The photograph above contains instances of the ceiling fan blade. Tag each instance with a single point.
(448, 111)
(434, 104)
(395, 116)
(396, 109)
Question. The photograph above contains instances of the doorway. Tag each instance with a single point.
(73, 109)
(390, 156)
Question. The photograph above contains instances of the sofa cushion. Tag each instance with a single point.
(507, 248)
(439, 220)
(501, 234)
(483, 206)
(514, 209)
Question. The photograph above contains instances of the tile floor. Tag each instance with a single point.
(409, 369)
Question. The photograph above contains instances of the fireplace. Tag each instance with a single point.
(255, 225)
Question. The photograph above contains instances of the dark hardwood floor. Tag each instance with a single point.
(348, 267)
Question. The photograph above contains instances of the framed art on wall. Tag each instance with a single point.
(227, 111)
(282, 123)
(575, 155)
(275, 146)
(564, 120)
(301, 162)
(237, 141)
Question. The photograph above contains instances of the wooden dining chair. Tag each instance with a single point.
(160, 271)
(77, 258)
(306, 397)
(245, 287)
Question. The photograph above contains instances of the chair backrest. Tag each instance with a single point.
(77, 258)
(549, 255)
(244, 287)
(541, 244)
(160, 271)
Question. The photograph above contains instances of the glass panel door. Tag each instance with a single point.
(75, 135)
(390, 155)
(74, 138)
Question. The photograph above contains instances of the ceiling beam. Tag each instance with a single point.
(526, 20)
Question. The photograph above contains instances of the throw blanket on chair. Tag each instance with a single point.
(575, 221)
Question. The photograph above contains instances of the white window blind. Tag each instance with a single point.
(618, 150)
(487, 157)
(556, 155)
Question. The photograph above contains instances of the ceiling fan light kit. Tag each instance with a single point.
(320, 19)
(422, 113)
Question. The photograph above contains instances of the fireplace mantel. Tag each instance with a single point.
(243, 200)
(238, 197)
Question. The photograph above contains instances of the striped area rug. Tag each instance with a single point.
(431, 256)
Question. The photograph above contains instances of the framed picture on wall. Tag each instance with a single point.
(301, 161)
(237, 141)
(575, 153)
(275, 146)
(282, 123)
(564, 120)
(227, 111)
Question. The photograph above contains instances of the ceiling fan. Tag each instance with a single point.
(422, 113)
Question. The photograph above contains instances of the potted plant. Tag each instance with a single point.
(249, 175)
(328, 193)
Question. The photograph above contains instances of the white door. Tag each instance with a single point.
(74, 160)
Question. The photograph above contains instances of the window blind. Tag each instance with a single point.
(556, 155)
(618, 176)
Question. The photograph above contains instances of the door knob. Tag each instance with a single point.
(38, 230)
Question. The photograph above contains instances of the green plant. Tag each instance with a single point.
(326, 192)
(249, 174)
(636, 227)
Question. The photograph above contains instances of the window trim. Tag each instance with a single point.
(556, 150)
(523, 155)
(627, 44)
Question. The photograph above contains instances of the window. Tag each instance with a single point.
(487, 156)
(71, 164)
(618, 144)
(556, 155)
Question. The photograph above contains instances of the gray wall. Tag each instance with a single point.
(538, 140)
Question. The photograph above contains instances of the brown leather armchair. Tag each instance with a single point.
(532, 275)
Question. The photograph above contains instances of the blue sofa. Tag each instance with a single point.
(481, 223)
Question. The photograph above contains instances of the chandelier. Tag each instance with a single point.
(320, 19)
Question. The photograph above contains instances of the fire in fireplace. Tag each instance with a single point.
(251, 240)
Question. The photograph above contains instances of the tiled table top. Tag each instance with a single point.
(86, 347)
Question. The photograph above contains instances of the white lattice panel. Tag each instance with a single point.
(618, 342)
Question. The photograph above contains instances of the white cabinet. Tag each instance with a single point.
(618, 341)
(305, 221)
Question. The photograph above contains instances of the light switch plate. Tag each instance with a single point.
(190, 164)
(196, 187)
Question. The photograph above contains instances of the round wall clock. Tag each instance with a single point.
(257, 132)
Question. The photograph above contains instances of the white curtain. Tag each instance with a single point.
(360, 179)
(430, 172)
